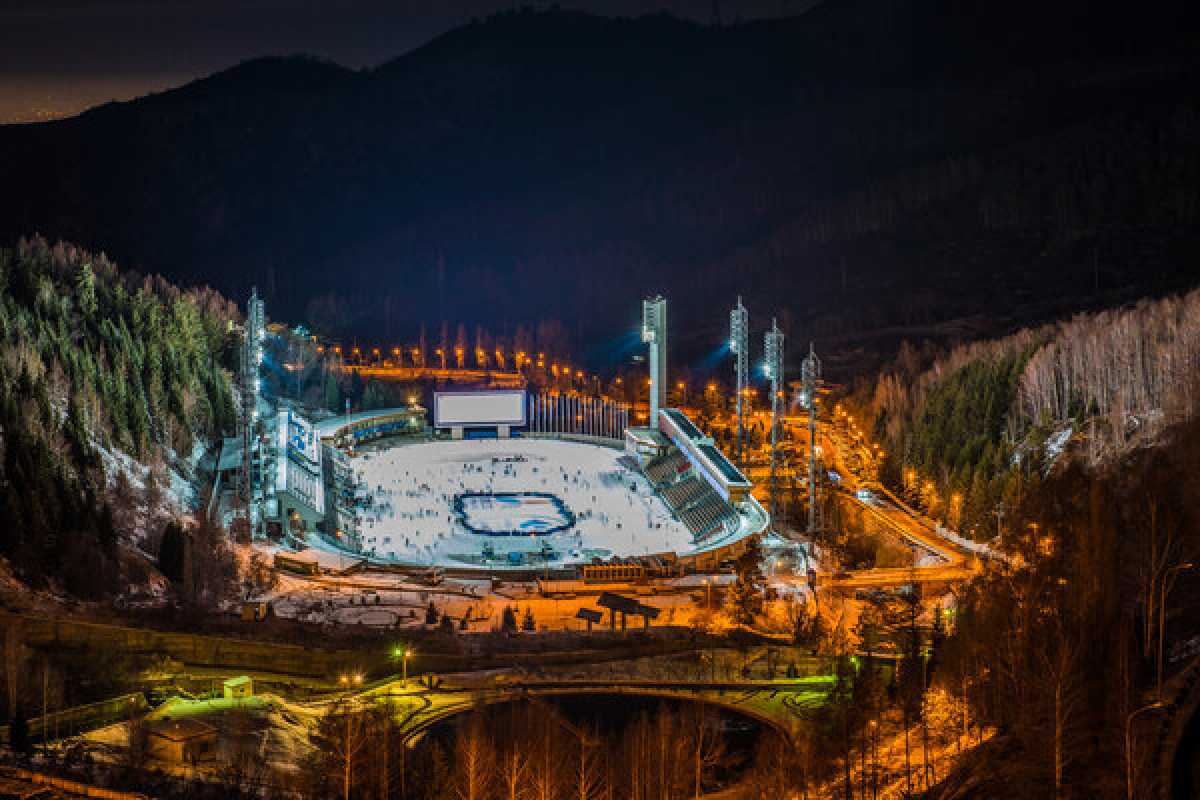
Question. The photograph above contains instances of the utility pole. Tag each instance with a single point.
(810, 373)
(738, 333)
(45, 682)
(773, 367)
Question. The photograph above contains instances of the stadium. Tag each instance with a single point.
(507, 481)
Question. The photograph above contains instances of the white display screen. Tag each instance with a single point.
(478, 408)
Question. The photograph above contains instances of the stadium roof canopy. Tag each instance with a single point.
(327, 428)
(711, 462)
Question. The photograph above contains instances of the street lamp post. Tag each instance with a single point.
(1157, 704)
(402, 652)
(1162, 617)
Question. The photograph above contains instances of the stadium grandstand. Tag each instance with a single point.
(364, 426)
(697, 482)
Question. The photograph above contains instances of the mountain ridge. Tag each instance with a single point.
(536, 162)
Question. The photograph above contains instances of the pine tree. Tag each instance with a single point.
(106, 529)
(18, 736)
(746, 596)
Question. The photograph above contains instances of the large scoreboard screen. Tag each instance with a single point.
(479, 409)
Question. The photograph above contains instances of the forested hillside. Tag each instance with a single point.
(966, 430)
(96, 366)
(1056, 647)
(1072, 447)
(868, 170)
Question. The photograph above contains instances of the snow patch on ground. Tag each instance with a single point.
(400, 606)
(980, 549)
(177, 481)
(140, 514)
(1057, 442)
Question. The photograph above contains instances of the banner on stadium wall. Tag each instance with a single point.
(298, 437)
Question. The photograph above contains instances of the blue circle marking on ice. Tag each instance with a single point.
(512, 513)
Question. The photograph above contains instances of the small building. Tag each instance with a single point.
(181, 741)
(643, 445)
(615, 571)
(256, 610)
(634, 569)
(238, 688)
(302, 563)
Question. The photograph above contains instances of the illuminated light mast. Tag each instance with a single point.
(810, 374)
(654, 334)
(773, 368)
(252, 356)
(739, 327)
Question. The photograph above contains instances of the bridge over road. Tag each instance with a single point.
(782, 705)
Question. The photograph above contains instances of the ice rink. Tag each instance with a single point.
(410, 490)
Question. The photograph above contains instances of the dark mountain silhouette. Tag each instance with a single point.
(868, 170)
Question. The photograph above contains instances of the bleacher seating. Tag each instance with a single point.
(665, 468)
(707, 517)
(686, 492)
(694, 502)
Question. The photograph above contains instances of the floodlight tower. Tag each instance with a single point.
(739, 327)
(252, 355)
(810, 374)
(654, 334)
(773, 367)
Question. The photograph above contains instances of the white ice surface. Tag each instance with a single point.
(412, 488)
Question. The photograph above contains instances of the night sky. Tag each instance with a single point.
(59, 57)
